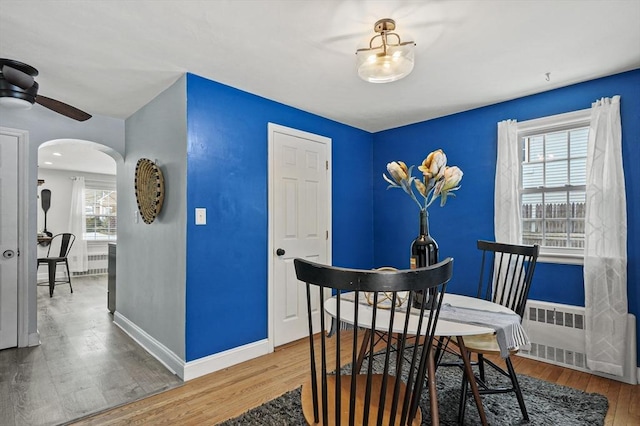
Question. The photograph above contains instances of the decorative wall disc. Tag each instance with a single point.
(149, 186)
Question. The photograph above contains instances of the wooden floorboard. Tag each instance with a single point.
(85, 363)
(228, 393)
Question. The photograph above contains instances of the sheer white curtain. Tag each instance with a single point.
(78, 259)
(507, 200)
(605, 251)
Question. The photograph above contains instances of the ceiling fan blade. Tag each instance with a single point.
(62, 108)
(17, 77)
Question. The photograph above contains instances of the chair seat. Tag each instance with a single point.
(484, 344)
(51, 259)
(345, 385)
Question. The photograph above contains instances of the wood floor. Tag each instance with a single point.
(72, 373)
(226, 394)
(84, 364)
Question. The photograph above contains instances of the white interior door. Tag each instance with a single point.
(300, 216)
(8, 241)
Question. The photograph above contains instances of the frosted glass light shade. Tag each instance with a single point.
(15, 103)
(376, 66)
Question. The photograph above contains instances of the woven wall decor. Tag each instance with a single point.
(149, 186)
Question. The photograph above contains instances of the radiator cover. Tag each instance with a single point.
(558, 337)
(97, 266)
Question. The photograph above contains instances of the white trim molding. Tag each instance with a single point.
(34, 339)
(26, 248)
(150, 344)
(272, 129)
(554, 122)
(221, 360)
(196, 368)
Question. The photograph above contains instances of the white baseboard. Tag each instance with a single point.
(151, 345)
(196, 368)
(219, 361)
(33, 339)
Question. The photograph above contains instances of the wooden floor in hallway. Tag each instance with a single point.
(84, 364)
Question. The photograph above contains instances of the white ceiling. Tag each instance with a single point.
(113, 57)
(74, 155)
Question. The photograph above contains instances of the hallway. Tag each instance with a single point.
(85, 363)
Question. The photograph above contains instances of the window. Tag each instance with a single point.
(553, 183)
(101, 208)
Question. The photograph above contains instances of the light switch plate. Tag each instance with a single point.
(201, 216)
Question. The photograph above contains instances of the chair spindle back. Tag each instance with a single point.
(60, 245)
(387, 393)
(506, 273)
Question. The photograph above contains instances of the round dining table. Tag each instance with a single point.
(447, 326)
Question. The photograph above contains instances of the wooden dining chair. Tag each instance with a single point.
(57, 253)
(388, 390)
(506, 273)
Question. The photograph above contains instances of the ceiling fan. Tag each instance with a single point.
(17, 86)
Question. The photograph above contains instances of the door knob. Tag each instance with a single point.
(280, 252)
(8, 254)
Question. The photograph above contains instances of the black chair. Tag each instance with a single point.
(388, 391)
(58, 250)
(505, 278)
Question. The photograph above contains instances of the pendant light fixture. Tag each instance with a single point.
(387, 58)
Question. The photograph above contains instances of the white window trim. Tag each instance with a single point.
(581, 118)
(554, 123)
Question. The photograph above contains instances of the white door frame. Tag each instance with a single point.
(24, 339)
(273, 128)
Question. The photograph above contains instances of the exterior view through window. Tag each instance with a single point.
(553, 188)
(101, 214)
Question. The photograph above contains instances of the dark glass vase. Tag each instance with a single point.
(424, 252)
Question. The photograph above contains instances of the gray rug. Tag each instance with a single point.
(547, 403)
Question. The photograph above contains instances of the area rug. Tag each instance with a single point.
(547, 404)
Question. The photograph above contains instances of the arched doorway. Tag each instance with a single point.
(80, 180)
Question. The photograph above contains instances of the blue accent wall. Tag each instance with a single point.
(227, 173)
(469, 140)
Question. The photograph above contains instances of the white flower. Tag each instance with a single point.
(438, 180)
(449, 182)
(398, 171)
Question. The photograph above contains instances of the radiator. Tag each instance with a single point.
(557, 336)
(97, 266)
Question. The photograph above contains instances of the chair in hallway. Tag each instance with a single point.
(506, 273)
(57, 253)
(388, 390)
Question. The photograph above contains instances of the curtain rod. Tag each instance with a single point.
(94, 180)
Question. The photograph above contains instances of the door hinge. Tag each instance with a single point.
(326, 164)
(326, 236)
